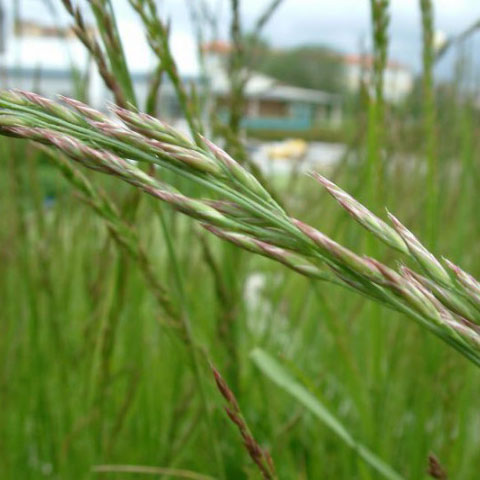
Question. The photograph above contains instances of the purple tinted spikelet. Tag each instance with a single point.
(362, 215)
(191, 207)
(118, 131)
(239, 239)
(409, 291)
(85, 110)
(470, 284)
(100, 160)
(341, 254)
(449, 298)
(236, 211)
(244, 177)
(224, 389)
(179, 154)
(426, 259)
(456, 324)
(9, 122)
(30, 99)
(91, 157)
(290, 260)
(435, 469)
(150, 127)
(52, 107)
(14, 97)
(260, 457)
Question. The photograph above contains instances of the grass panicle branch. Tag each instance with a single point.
(158, 33)
(90, 42)
(260, 456)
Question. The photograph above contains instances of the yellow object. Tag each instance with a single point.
(294, 148)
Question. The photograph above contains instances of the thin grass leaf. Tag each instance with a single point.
(279, 375)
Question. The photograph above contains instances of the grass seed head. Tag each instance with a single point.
(426, 259)
(224, 389)
(362, 215)
(31, 99)
(85, 110)
(341, 254)
(447, 297)
(150, 126)
(244, 177)
(470, 284)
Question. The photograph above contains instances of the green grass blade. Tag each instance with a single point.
(279, 375)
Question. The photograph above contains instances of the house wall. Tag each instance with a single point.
(272, 108)
(299, 116)
(290, 116)
(398, 82)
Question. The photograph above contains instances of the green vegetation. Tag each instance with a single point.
(309, 66)
(128, 330)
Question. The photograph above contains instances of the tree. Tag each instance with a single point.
(316, 67)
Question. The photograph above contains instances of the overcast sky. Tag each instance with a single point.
(342, 24)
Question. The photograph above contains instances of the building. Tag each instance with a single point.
(271, 104)
(398, 79)
(50, 60)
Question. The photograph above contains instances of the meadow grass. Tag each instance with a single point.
(97, 371)
(58, 286)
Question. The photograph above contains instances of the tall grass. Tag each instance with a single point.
(432, 189)
(102, 375)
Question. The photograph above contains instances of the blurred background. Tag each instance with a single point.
(381, 96)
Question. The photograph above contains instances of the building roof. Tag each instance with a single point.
(297, 94)
(217, 46)
(367, 61)
(30, 28)
(258, 84)
(264, 86)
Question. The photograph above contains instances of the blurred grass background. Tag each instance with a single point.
(92, 373)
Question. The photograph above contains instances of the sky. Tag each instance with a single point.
(341, 24)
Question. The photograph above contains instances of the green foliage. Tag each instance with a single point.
(313, 135)
(315, 67)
